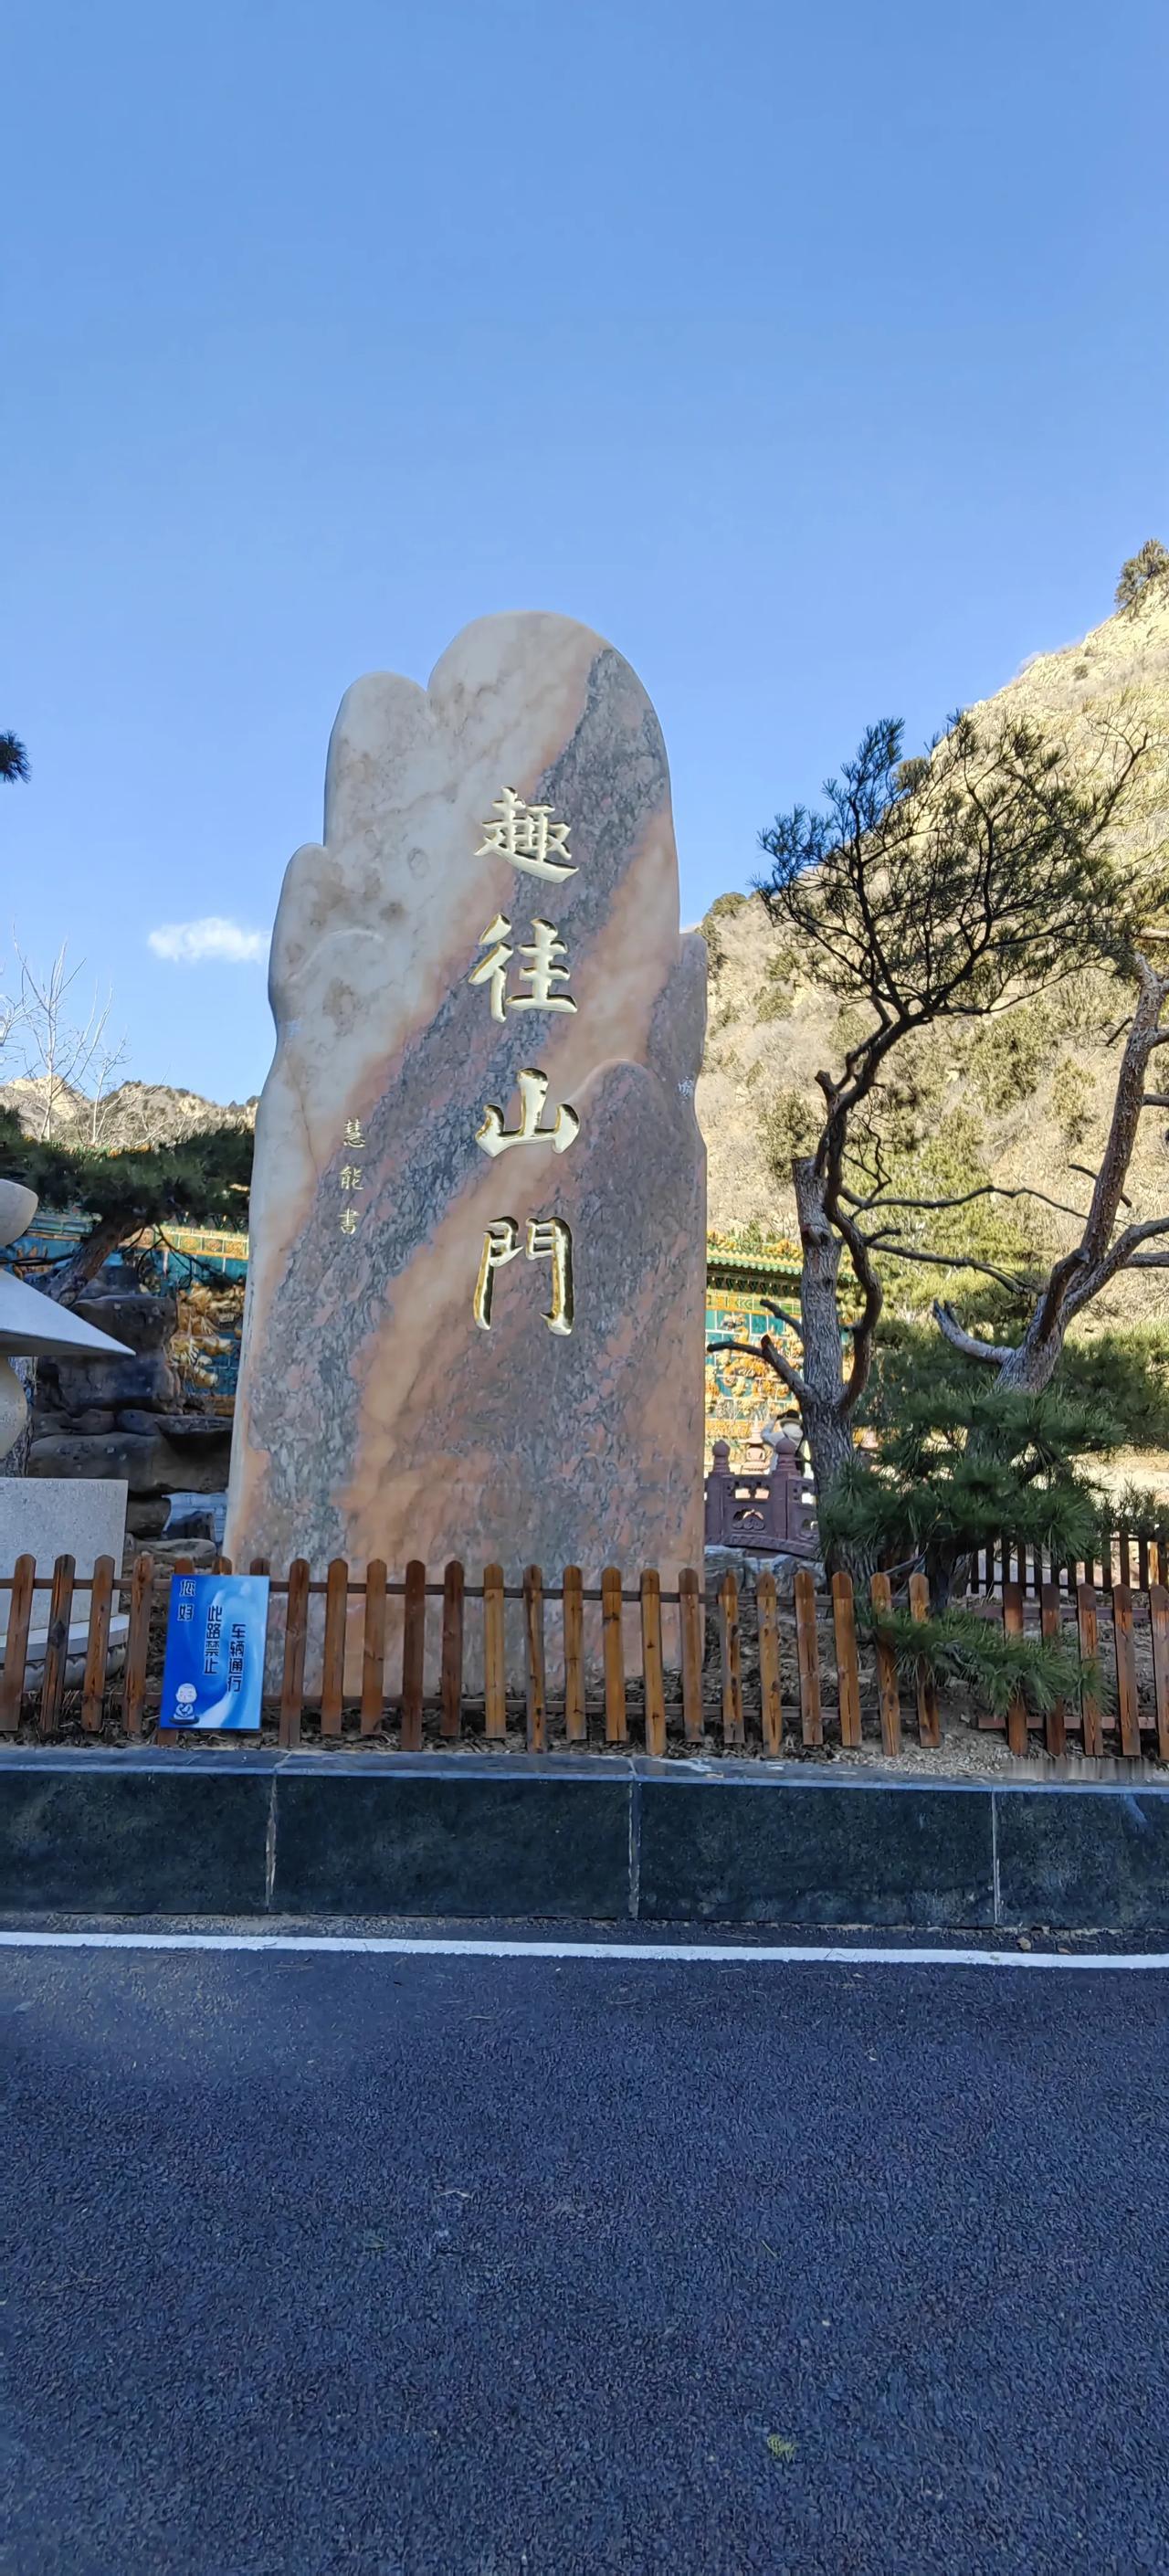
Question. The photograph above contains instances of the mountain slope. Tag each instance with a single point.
(136, 1114)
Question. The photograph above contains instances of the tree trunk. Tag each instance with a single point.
(16, 1462)
(827, 1427)
(70, 1279)
(1032, 1367)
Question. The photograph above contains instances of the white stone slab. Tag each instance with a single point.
(50, 1516)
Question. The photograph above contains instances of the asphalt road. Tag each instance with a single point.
(482, 2267)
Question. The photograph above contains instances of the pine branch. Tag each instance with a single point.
(942, 1260)
(878, 1204)
(956, 1645)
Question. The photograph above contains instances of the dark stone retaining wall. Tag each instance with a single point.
(577, 1838)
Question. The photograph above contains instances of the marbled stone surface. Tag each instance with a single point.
(375, 1418)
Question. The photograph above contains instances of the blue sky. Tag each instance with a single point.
(816, 356)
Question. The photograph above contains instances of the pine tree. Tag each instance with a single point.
(1149, 564)
(959, 1464)
(205, 1180)
(923, 891)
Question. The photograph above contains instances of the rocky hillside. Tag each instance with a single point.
(137, 1113)
(1024, 1100)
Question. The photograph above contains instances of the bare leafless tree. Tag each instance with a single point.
(68, 1058)
(108, 1058)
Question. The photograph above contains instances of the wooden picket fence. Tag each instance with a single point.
(1124, 1558)
(632, 1665)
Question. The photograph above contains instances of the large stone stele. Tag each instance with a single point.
(375, 1418)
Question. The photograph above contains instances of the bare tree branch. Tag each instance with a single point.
(877, 1205)
(64, 1052)
(946, 1261)
(782, 1316)
(108, 1059)
(1082, 1273)
(772, 1357)
(968, 1343)
(1088, 1174)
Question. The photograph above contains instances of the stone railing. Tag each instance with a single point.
(771, 1514)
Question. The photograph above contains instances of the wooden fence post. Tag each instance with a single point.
(537, 1689)
(494, 1658)
(808, 1657)
(770, 1696)
(1013, 1627)
(333, 1655)
(572, 1614)
(1159, 1624)
(613, 1656)
(690, 1624)
(373, 1648)
(453, 1589)
(137, 1643)
(886, 1662)
(57, 1645)
(16, 1643)
(1093, 1731)
(1055, 1725)
(97, 1645)
(295, 1641)
(1127, 1701)
(732, 1660)
(651, 1663)
(929, 1729)
(413, 1656)
(848, 1680)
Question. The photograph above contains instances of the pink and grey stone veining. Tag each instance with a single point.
(374, 1418)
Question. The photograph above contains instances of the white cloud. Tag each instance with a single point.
(193, 943)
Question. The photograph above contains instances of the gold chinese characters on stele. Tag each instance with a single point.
(476, 1294)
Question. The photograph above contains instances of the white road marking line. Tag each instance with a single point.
(689, 1954)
